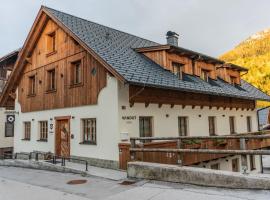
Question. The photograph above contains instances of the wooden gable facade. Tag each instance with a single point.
(54, 61)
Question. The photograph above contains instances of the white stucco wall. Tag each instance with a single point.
(168, 126)
(4, 141)
(105, 112)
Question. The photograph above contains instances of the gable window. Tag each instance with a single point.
(27, 130)
(89, 131)
(43, 130)
(252, 162)
(76, 72)
(145, 124)
(9, 129)
(205, 75)
(183, 126)
(249, 122)
(32, 85)
(178, 69)
(51, 42)
(212, 125)
(232, 124)
(51, 80)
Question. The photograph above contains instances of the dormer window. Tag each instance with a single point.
(233, 80)
(178, 69)
(205, 75)
(51, 42)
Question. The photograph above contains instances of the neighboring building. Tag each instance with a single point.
(82, 88)
(6, 129)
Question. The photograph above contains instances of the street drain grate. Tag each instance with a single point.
(76, 182)
(127, 182)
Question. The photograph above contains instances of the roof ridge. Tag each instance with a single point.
(45, 7)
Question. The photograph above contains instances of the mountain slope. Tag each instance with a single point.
(253, 53)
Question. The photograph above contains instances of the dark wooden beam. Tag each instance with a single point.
(131, 104)
(172, 105)
(146, 104)
(160, 105)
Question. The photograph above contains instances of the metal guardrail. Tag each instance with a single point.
(54, 157)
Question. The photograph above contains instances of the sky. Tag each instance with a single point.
(211, 27)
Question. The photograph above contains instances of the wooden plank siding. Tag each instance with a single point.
(192, 67)
(65, 95)
(148, 95)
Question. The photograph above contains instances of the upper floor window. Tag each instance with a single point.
(205, 75)
(51, 42)
(212, 125)
(249, 122)
(178, 69)
(183, 126)
(32, 85)
(76, 72)
(51, 80)
(232, 124)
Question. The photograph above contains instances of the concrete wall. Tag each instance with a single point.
(4, 141)
(105, 112)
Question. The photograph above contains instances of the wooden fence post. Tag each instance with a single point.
(243, 157)
(179, 155)
(133, 145)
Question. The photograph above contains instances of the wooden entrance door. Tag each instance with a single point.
(62, 140)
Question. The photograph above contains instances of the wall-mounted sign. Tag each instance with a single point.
(128, 117)
(10, 119)
(51, 128)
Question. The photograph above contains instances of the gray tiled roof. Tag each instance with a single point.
(117, 49)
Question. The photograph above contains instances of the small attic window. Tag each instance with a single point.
(233, 80)
(51, 42)
(178, 69)
(205, 75)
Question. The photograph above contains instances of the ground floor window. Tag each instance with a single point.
(9, 129)
(183, 126)
(215, 166)
(43, 130)
(235, 165)
(249, 128)
(252, 162)
(212, 125)
(27, 130)
(89, 131)
(232, 124)
(145, 124)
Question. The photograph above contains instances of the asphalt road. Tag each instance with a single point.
(27, 184)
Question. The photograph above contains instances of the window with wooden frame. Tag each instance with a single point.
(212, 125)
(232, 124)
(9, 129)
(27, 130)
(51, 43)
(178, 69)
(183, 126)
(146, 126)
(215, 166)
(76, 73)
(249, 124)
(31, 85)
(205, 75)
(43, 130)
(51, 80)
(252, 162)
(89, 131)
(233, 80)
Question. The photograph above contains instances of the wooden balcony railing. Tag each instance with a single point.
(166, 149)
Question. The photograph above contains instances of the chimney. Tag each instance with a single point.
(172, 38)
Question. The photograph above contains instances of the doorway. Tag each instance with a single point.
(62, 137)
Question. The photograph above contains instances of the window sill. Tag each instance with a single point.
(42, 140)
(9, 136)
(88, 143)
(50, 91)
(76, 85)
(51, 53)
(25, 139)
(31, 95)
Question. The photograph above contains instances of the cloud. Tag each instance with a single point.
(208, 26)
